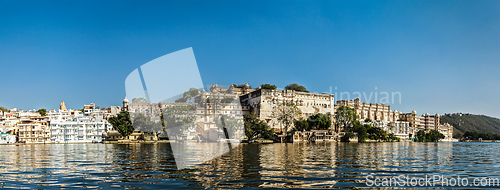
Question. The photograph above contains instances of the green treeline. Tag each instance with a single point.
(431, 136)
(472, 135)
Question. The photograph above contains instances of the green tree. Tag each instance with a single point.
(4, 110)
(434, 136)
(286, 113)
(431, 136)
(188, 95)
(255, 128)
(122, 123)
(347, 136)
(368, 120)
(139, 100)
(457, 134)
(362, 132)
(268, 86)
(344, 117)
(421, 135)
(179, 118)
(319, 121)
(145, 124)
(42, 112)
(296, 87)
(301, 125)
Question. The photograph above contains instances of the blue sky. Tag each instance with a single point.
(442, 56)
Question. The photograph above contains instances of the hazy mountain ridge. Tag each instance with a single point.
(463, 122)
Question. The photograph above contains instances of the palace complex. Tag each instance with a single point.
(208, 109)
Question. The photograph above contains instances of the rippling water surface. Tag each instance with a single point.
(302, 165)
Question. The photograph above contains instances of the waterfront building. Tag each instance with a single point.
(424, 122)
(6, 134)
(381, 116)
(218, 103)
(373, 111)
(34, 130)
(72, 126)
(428, 122)
(136, 135)
(400, 129)
(262, 102)
(8, 124)
(447, 130)
(6, 137)
(151, 111)
(313, 136)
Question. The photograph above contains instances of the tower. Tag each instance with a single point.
(62, 107)
(125, 104)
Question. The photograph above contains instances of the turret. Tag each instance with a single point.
(125, 104)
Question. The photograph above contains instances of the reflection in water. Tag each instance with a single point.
(299, 165)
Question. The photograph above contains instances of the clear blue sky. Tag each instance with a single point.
(442, 56)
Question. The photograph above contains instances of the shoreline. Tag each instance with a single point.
(256, 142)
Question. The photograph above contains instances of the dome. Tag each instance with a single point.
(246, 85)
(125, 100)
(414, 112)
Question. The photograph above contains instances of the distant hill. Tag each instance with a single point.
(463, 122)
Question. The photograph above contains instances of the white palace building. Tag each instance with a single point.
(72, 126)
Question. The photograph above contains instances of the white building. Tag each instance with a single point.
(6, 134)
(28, 114)
(400, 129)
(71, 126)
(9, 124)
(6, 137)
(115, 110)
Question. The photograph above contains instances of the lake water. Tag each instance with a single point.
(302, 165)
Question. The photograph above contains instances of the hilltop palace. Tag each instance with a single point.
(91, 125)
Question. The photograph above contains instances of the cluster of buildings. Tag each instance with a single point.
(91, 125)
(57, 126)
(402, 125)
(209, 105)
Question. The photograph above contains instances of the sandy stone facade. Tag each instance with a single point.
(428, 122)
(376, 112)
(425, 122)
(262, 102)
